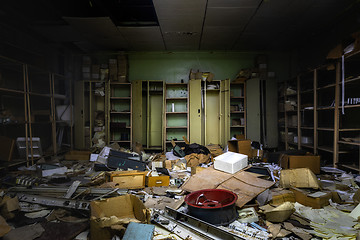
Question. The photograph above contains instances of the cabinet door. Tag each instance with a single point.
(195, 111)
(212, 117)
(225, 112)
(137, 120)
(253, 109)
(79, 114)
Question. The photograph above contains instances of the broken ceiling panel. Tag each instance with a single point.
(100, 31)
(181, 22)
(234, 3)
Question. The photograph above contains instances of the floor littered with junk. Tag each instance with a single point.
(114, 193)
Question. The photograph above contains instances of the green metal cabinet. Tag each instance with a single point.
(209, 112)
(148, 110)
(195, 112)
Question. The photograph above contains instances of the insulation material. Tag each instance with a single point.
(329, 222)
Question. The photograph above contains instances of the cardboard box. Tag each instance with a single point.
(289, 106)
(240, 146)
(305, 198)
(122, 209)
(231, 162)
(279, 196)
(299, 178)
(127, 179)
(257, 153)
(157, 181)
(77, 155)
(307, 161)
(6, 148)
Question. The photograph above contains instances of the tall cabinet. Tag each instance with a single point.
(148, 114)
(119, 119)
(176, 122)
(209, 112)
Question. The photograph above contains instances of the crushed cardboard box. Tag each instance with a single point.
(240, 146)
(305, 161)
(280, 213)
(108, 213)
(299, 177)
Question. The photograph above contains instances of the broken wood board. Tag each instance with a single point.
(242, 183)
(6, 148)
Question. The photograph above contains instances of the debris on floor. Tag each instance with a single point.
(195, 192)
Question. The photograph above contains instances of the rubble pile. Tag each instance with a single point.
(181, 194)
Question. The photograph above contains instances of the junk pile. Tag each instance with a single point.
(190, 192)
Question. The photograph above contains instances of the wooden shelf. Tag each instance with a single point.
(239, 126)
(307, 91)
(113, 112)
(40, 94)
(352, 167)
(177, 141)
(120, 141)
(329, 149)
(325, 108)
(176, 98)
(176, 112)
(350, 80)
(327, 86)
(326, 148)
(11, 90)
(349, 129)
(325, 129)
(309, 128)
(351, 106)
(237, 97)
(120, 83)
(120, 98)
(177, 127)
(237, 112)
(176, 84)
(308, 146)
(349, 143)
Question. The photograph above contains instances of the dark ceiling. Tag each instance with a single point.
(170, 25)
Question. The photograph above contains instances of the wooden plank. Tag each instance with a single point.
(6, 148)
(315, 111)
(336, 116)
(298, 113)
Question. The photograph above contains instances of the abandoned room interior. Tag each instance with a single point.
(179, 119)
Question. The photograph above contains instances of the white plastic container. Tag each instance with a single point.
(230, 162)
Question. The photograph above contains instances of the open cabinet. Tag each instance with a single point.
(148, 114)
(120, 114)
(176, 114)
(90, 105)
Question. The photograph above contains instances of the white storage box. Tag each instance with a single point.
(231, 162)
